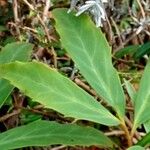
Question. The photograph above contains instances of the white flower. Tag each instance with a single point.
(94, 7)
(72, 5)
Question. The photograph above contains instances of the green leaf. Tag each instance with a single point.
(19, 51)
(11, 52)
(142, 102)
(5, 90)
(127, 50)
(9, 39)
(89, 49)
(147, 126)
(145, 141)
(44, 133)
(136, 148)
(142, 50)
(2, 28)
(53, 90)
(130, 89)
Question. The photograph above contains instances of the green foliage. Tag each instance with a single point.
(147, 126)
(11, 52)
(92, 56)
(145, 141)
(131, 91)
(27, 117)
(137, 51)
(142, 50)
(19, 51)
(129, 50)
(5, 90)
(136, 148)
(2, 28)
(55, 91)
(45, 133)
(142, 104)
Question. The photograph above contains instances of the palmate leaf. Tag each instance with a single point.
(142, 101)
(89, 49)
(55, 91)
(15, 51)
(44, 133)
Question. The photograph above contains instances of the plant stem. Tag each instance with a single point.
(132, 132)
(128, 137)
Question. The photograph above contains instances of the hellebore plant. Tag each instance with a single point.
(91, 53)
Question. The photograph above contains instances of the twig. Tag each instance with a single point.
(128, 62)
(15, 9)
(110, 29)
(49, 39)
(126, 41)
(115, 132)
(122, 60)
(29, 5)
(16, 18)
(38, 106)
(5, 117)
(129, 123)
(43, 113)
(84, 86)
(126, 131)
(58, 148)
(73, 72)
(45, 30)
(134, 140)
(117, 31)
(141, 8)
(130, 108)
(46, 9)
(30, 29)
(36, 111)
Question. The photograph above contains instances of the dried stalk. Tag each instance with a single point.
(45, 29)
